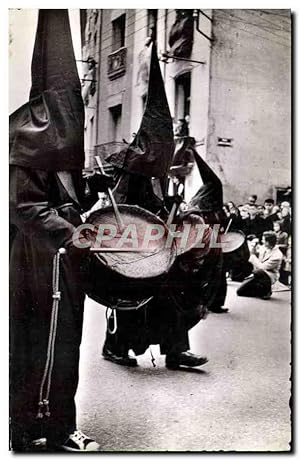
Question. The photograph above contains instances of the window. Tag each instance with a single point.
(116, 122)
(152, 24)
(118, 32)
(182, 96)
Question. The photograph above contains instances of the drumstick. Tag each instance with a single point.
(227, 228)
(174, 207)
(112, 199)
(172, 214)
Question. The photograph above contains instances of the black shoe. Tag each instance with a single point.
(79, 442)
(186, 358)
(267, 296)
(125, 360)
(219, 310)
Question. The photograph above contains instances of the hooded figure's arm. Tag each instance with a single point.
(30, 209)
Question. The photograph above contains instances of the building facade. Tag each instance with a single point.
(227, 75)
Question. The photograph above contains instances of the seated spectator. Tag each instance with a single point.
(230, 205)
(286, 221)
(282, 243)
(282, 237)
(266, 261)
(285, 204)
(253, 243)
(255, 224)
(252, 199)
(260, 211)
(245, 217)
(270, 213)
(287, 265)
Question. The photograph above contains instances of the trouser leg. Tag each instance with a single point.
(119, 342)
(158, 323)
(218, 296)
(171, 327)
(241, 272)
(258, 286)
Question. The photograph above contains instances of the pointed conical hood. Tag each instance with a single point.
(151, 151)
(210, 195)
(47, 132)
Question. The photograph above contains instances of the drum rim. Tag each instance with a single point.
(180, 251)
(239, 232)
(173, 248)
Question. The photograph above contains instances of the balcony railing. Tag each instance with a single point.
(116, 63)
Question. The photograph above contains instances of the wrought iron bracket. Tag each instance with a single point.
(167, 56)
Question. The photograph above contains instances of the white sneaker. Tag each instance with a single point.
(79, 442)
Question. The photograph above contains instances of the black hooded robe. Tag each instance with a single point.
(149, 155)
(209, 202)
(47, 196)
(40, 232)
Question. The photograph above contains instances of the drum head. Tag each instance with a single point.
(151, 257)
(231, 241)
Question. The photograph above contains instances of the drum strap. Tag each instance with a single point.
(108, 312)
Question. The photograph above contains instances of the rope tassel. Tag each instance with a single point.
(43, 404)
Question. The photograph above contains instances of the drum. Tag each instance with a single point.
(191, 226)
(133, 262)
(237, 258)
(231, 241)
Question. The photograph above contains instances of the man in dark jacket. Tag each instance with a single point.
(47, 196)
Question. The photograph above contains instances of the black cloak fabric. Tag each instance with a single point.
(210, 195)
(151, 151)
(47, 133)
(45, 205)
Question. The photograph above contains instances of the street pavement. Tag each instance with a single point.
(238, 401)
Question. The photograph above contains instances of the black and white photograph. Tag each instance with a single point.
(150, 230)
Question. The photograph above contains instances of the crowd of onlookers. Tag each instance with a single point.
(254, 219)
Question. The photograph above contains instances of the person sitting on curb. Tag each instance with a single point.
(266, 265)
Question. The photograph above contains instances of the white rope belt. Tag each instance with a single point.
(43, 404)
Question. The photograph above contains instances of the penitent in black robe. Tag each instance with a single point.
(46, 200)
(178, 305)
(44, 217)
